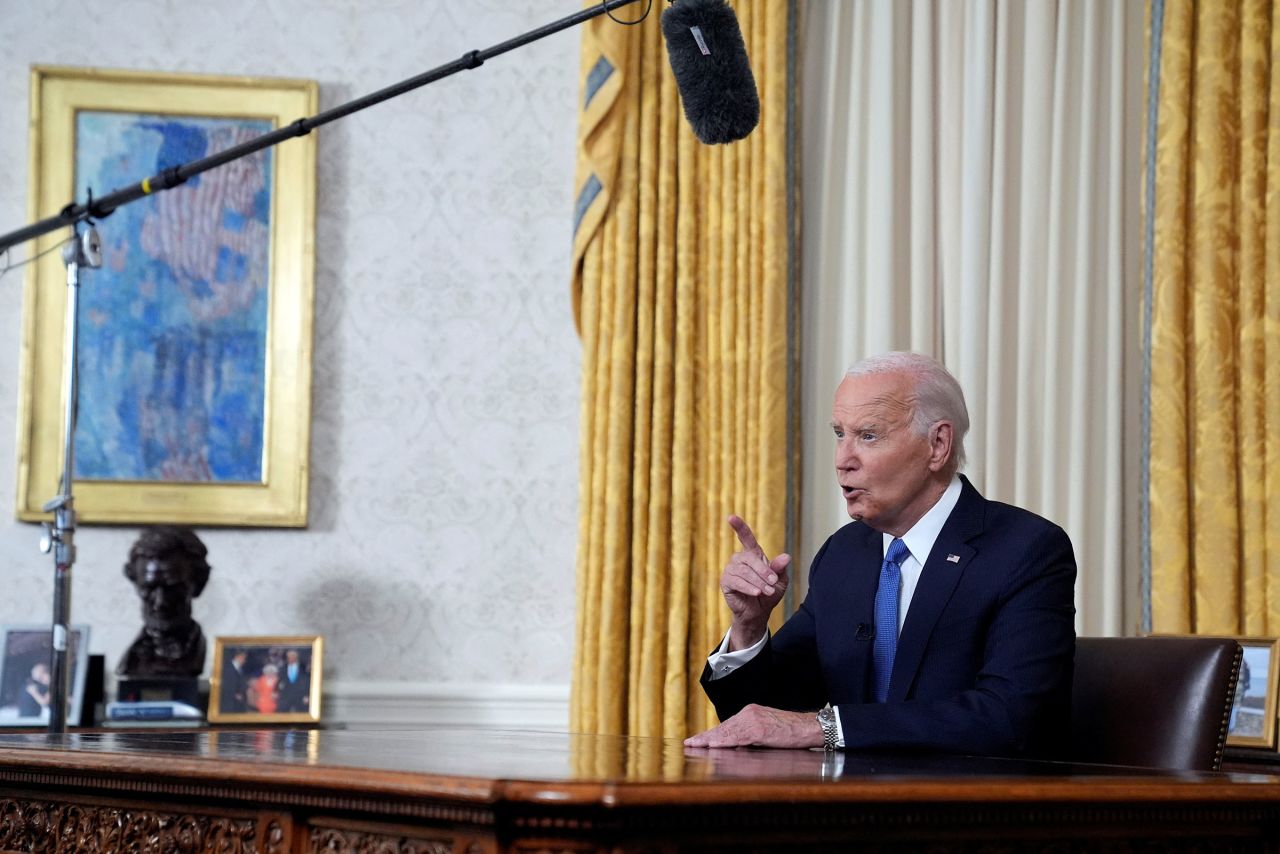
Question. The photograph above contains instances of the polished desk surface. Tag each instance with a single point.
(466, 766)
(467, 791)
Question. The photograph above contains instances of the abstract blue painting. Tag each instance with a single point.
(173, 328)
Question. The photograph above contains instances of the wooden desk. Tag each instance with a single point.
(453, 790)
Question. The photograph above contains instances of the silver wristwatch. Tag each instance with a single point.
(830, 731)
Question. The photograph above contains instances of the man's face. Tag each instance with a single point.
(886, 470)
(165, 589)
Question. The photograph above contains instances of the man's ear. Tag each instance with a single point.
(940, 436)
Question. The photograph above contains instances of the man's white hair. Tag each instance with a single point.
(937, 395)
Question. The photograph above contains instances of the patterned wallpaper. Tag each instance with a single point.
(445, 410)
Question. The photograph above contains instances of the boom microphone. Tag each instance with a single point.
(709, 60)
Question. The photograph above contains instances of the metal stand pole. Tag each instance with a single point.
(59, 538)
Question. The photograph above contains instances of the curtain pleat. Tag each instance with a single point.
(681, 289)
(1269, 401)
(1215, 334)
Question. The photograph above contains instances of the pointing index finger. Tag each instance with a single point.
(745, 535)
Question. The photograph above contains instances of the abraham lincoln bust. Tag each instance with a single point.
(168, 568)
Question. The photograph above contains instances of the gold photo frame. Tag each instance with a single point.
(1253, 717)
(196, 334)
(266, 679)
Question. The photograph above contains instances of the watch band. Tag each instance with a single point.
(830, 729)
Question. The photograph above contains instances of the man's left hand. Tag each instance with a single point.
(761, 726)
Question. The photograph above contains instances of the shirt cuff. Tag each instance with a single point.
(723, 662)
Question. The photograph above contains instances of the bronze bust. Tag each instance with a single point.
(167, 566)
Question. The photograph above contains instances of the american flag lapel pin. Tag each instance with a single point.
(953, 558)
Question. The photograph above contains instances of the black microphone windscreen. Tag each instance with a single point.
(709, 60)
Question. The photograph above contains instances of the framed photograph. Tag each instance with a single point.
(266, 679)
(195, 334)
(25, 656)
(1253, 712)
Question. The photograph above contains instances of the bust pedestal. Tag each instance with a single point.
(163, 689)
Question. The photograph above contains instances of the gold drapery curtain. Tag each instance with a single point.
(683, 294)
(1215, 318)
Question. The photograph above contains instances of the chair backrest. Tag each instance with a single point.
(1160, 702)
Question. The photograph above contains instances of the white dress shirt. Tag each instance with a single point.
(919, 541)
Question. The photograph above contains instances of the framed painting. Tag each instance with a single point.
(26, 653)
(195, 334)
(1252, 722)
(266, 679)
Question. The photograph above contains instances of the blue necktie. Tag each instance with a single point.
(886, 642)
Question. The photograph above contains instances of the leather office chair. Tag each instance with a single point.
(1161, 702)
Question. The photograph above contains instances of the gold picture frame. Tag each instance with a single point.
(266, 679)
(261, 435)
(1253, 717)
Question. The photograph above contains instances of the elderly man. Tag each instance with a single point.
(937, 620)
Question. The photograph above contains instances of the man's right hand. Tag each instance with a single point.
(753, 585)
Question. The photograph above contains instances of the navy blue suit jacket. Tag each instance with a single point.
(984, 660)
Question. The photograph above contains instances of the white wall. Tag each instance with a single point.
(439, 560)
